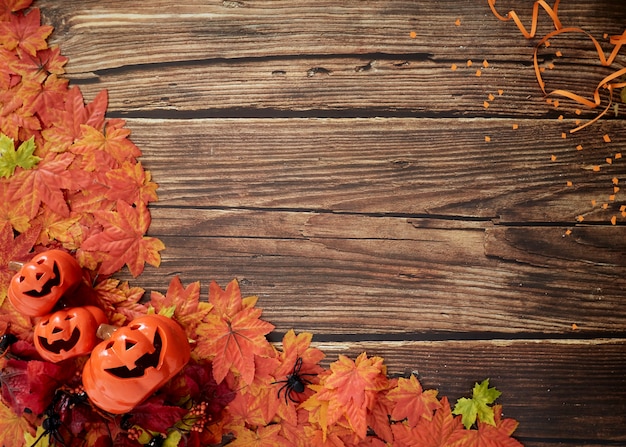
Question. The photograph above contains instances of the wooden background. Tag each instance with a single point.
(338, 169)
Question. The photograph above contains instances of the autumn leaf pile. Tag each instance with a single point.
(70, 179)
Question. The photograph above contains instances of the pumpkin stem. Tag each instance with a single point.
(15, 266)
(105, 331)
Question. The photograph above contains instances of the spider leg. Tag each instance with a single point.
(45, 432)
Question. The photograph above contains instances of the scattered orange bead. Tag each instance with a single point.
(614, 220)
(515, 126)
(487, 139)
(606, 138)
(579, 147)
(457, 22)
(412, 34)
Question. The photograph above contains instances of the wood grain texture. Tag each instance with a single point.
(338, 168)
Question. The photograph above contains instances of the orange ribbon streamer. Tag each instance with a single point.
(606, 83)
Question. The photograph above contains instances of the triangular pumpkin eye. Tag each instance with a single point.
(129, 344)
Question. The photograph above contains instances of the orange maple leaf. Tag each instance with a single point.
(7, 7)
(411, 402)
(131, 183)
(488, 435)
(233, 334)
(434, 432)
(45, 184)
(122, 241)
(349, 391)
(13, 427)
(24, 31)
(188, 310)
(261, 437)
(120, 301)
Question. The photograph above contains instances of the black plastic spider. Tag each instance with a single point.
(5, 343)
(295, 382)
(51, 425)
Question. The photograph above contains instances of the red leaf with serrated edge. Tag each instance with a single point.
(130, 183)
(411, 402)
(24, 31)
(122, 241)
(155, 415)
(45, 184)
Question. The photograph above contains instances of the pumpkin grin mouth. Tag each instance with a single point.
(148, 360)
(61, 345)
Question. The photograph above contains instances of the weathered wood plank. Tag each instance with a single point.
(400, 277)
(559, 390)
(342, 86)
(99, 35)
(401, 166)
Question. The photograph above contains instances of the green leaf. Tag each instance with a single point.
(11, 158)
(478, 406)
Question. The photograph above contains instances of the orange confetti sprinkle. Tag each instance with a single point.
(486, 104)
(596, 168)
(547, 43)
(491, 97)
(615, 181)
(605, 206)
(618, 156)
(454, 67)
(515, 126)
(622, 208)
(569, 183)
(616, 189)
(457, 22)
(577, 122)
(579, 147)
(485, 63)
(560, 118)
(412, 34)
(556, 103)
(612, 197)
(469, 62)
(563, 135)
(578, 111)
(487, 139)
(580, 218)
(568, 232)
(605, 35)
(551, 66)
(549, 100)
(553, 158)
(614, 220)
(606, 138)
(479, 73)
(500, 92)
(574, 326)
(558, 53)
(593, 202)
(609, 160)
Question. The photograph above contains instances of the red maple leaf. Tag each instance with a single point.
(24, 31)
(122, 240)
(411, 402)
(232, 334)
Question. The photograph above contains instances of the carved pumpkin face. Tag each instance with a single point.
(68, 333)
(42, 281)
(137, 360)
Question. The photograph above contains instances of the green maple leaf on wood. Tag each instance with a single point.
(478, 405)
(22, 157)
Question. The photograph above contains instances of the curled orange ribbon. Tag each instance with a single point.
(606, 83)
